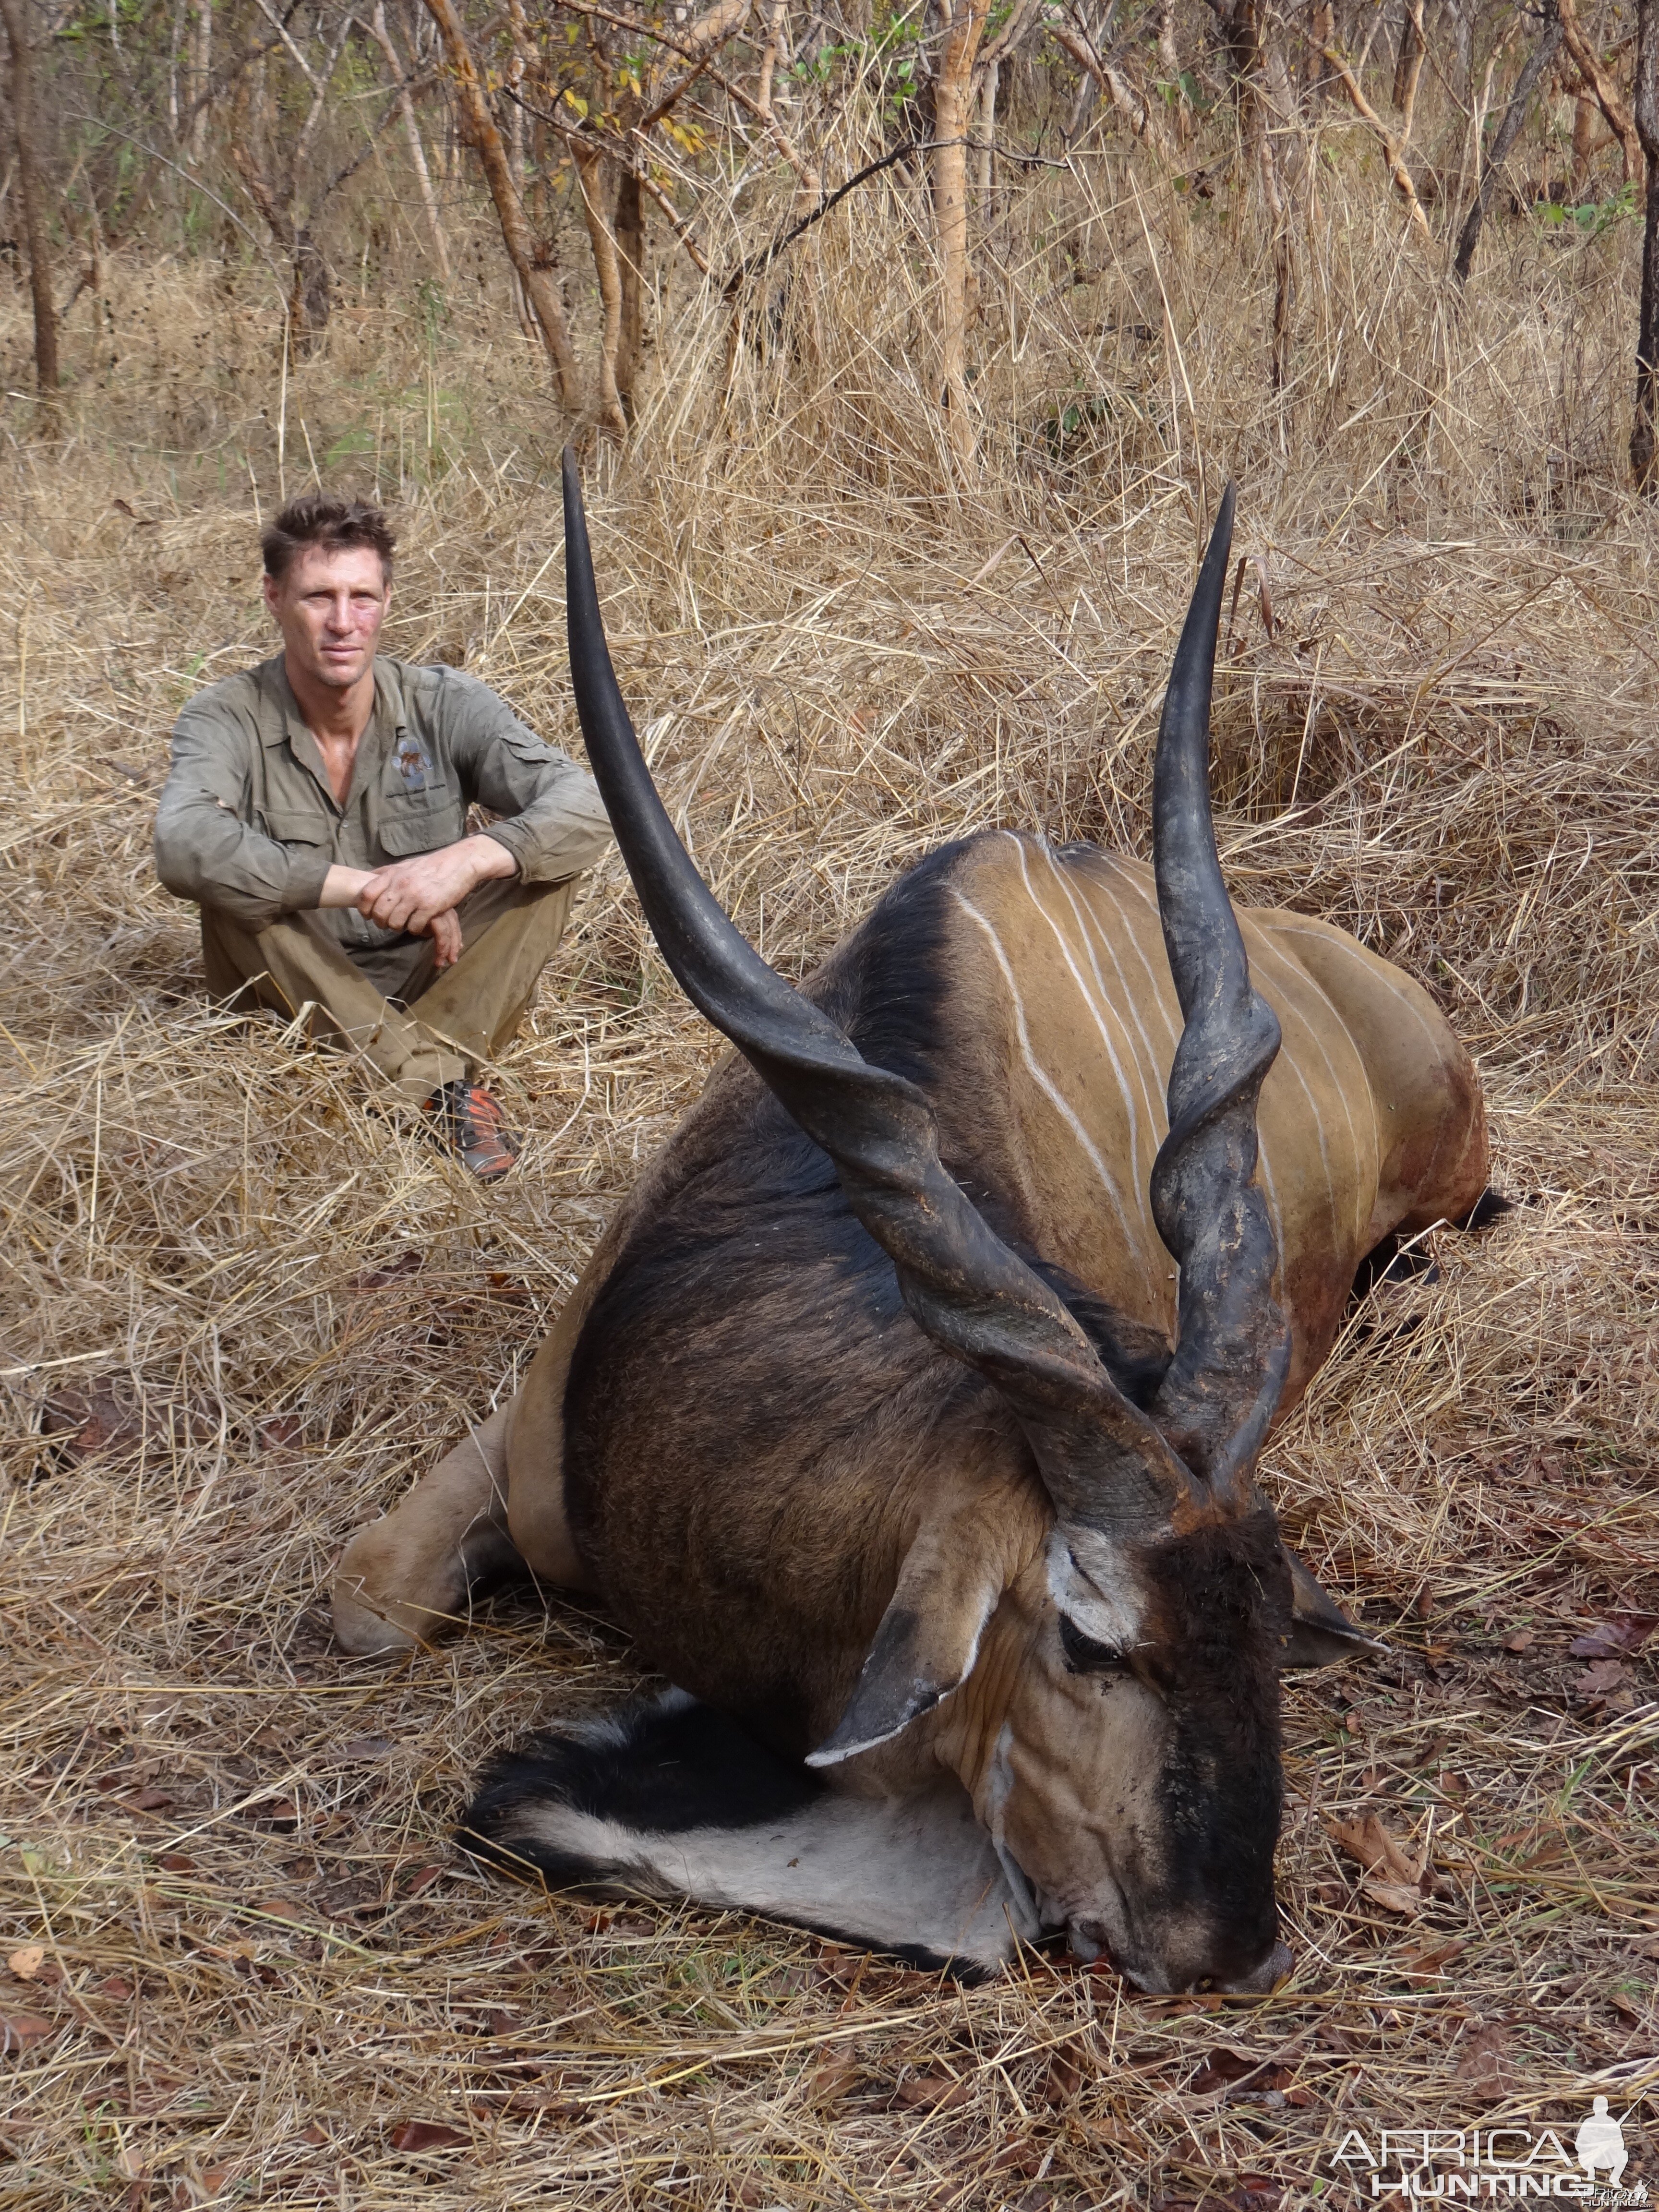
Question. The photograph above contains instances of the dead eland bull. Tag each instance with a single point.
(909, 1412)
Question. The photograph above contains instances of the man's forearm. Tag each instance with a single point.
(343, 886)
(490, 856)
(482, 858)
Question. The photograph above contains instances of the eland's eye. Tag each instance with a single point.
(1082, 1656)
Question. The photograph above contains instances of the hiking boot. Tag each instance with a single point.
(466, 1118)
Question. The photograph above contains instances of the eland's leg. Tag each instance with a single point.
(406, 1579)
(494, 1506)
(669, 1798)
(535, 1458)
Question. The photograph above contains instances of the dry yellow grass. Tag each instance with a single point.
(259, 1957)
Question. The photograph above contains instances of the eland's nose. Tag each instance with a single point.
(1272, 1970)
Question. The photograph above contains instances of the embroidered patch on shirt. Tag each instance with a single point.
(413, 764)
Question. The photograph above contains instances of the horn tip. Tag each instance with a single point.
(1222, 535)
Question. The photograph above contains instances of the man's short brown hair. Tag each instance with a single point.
(334, 525)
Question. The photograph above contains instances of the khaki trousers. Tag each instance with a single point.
(420, 1028)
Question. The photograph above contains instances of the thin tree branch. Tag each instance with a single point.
(286, 39)
(1503, 139)
(757, 265)
(734, 93)
(190, 177)
(1397, 169)
(615, 148)
(1607, 93)
(509, 207)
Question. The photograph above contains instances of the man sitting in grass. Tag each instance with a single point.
(316, 808)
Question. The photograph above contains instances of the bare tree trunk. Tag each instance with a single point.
(201, 68)
(987, 133)
(521, 66)
(1169, 59)
(509, 208)
(770, 55)
(175, 47)
(964, 24)
(1083, 107)
(523, 313)
(1408, 62)
(1607, 93)
(1584, 127)
(1460, 15)
(29, 190)
(1646, 103)
(313, 301)
(630, 255)
(1169, 72)
(1273, 104)
(1321, 32)
(590, 171)
(412, 132)
(1508, 132)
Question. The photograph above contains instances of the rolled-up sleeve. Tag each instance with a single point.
(552, 819)
(204, 849)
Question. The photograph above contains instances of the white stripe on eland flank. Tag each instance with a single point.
(1401, 987)
(1092, 933)
(1087, 885)
(1287, 1059)
(1160, 987)
(1097, 1013)
(1156, 992)
(1378, 971)
(1305, 981)
(1271, 1191)
(1039, 1074)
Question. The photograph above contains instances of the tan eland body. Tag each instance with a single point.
(1372, 1125)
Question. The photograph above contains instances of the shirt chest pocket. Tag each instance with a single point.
(419, 821)
(289, 826)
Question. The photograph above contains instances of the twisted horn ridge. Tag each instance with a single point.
(1103, 1462)
(1233, 1348)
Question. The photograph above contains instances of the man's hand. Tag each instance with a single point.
(422, 895)
(446, 935)
(411, 894)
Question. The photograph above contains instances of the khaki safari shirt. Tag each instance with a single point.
(248, 821)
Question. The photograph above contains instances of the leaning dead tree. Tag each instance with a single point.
(485, 133)
(1502, 145)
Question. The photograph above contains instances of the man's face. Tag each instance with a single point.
(329, 608)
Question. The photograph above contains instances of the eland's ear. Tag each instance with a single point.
(952, 1577)
(1321, 1634)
